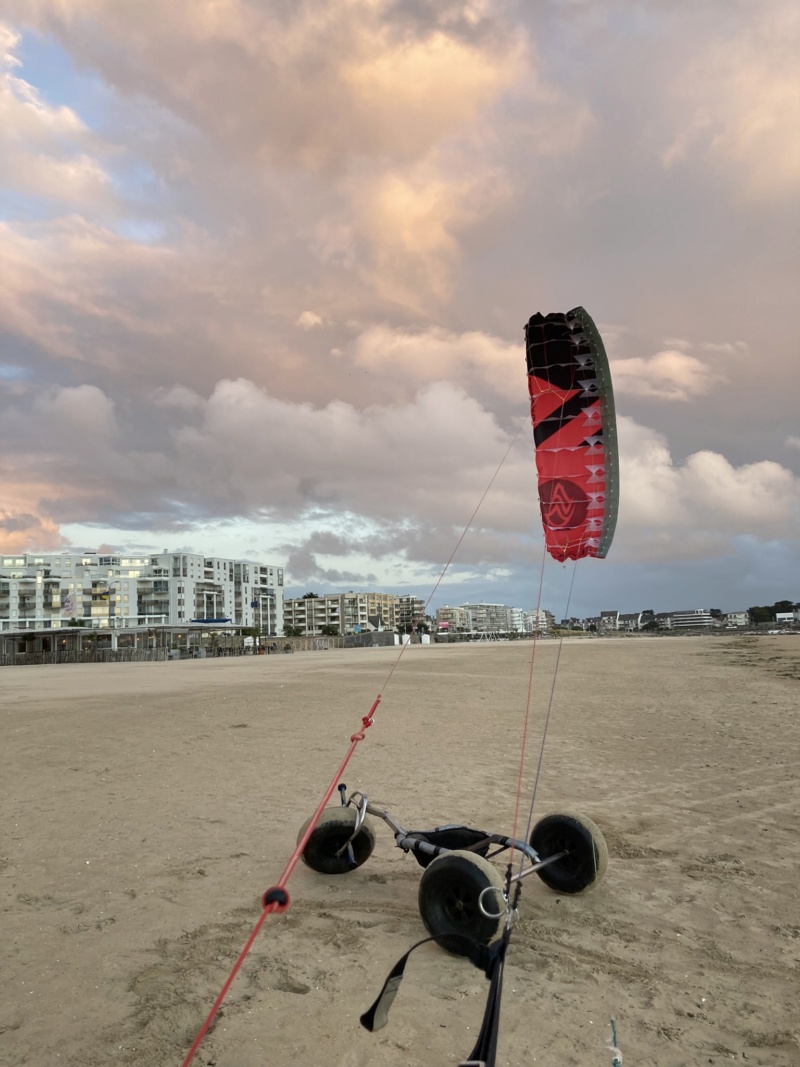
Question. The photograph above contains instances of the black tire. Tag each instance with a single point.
(587, 860)
(449, 891)
(334, 828)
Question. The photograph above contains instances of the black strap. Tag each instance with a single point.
(487, 958)
(376, 1017)
(485, 1051)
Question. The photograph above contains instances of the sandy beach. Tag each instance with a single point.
(146, 807)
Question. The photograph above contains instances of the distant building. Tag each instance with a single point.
(489, 618)
(538, 621)
(693, 618)
(48, 591)
(452, 619)
(737, 618)
(349, 613)
(410, 612)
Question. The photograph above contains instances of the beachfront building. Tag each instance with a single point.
(692, 618)
(346, 613)
(49, 591)
(538, 621)
(734, 619)
(489, 618)
(452, 619)
(410, 613)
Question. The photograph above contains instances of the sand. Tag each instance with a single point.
(146, 807)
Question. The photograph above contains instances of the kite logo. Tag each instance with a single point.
(564, 504)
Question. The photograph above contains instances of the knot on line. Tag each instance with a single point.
(366, 722)
(277, 896)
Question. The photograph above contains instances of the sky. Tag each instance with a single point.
(265, 269)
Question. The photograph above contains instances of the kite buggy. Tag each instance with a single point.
(465, 902)
(461, 891)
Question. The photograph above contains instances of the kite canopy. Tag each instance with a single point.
(574, 429)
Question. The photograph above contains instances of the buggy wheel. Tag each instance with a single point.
(449, 893)
(587, 858)
(333, 830)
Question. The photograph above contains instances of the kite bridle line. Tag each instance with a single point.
(276, 898)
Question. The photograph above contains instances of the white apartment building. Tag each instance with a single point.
(539, 620)
(350, 613)
(489, 618)
(692, 617)
(43, 591)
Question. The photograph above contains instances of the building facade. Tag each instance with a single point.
(692, 618)
(452, 619)
(410, 612)
(538, 621)
(349, 613)
(48, 591)
(489, 618)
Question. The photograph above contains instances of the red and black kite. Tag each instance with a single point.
(574, 429)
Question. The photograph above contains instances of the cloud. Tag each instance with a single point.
(47, 151)
(82, 409)
(413, 221)
(481, 364)
(362, 77)
(734, 99)
(179, 396)
(792, 441)
(20, 531)
(669, 375)
(307, 320)
(697, 508)
(403, 479)
(71, 286)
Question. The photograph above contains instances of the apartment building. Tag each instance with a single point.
(452, 619)
(691, 618)
(489, 618)
(410, 612)
(539, 620)
(43, 591)
(349, 613)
